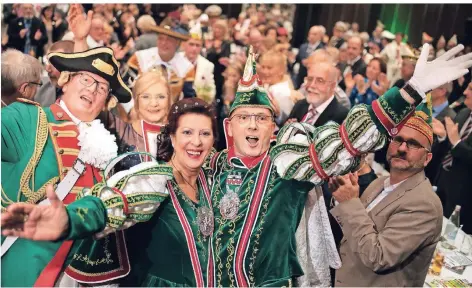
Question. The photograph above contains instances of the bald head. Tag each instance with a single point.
(255, 39)
(320, 55)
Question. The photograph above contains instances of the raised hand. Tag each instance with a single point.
(36, 222)
(445, 68)
(23, 32)
(452, 131)
(382, 85)
(38, 35)
(79, 24)
(438, 128)
(349, 81)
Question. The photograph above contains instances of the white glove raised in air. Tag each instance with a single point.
(444, 69)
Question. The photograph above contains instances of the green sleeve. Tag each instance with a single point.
(19, 122)
(87, 216)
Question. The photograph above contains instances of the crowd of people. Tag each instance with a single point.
(189, 149)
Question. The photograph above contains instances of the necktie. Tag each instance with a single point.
(447, 161)
(27, 36)
(310, 116)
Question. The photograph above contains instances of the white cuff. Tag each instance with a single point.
(455, 144)
(441, 139)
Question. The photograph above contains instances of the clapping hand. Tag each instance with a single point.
(349, 81)
(438, 128)
(344, 187)
(79, 24)
(23, 32)
(37, 35)
(452, 131)
(382, 85)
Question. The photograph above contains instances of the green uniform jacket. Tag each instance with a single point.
(28, 163)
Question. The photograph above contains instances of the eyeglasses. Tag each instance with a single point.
(318, 81)
(410, 144)
(246, 118)
(39, 84)
(86, 80)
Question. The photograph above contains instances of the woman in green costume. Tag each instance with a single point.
(172, 247)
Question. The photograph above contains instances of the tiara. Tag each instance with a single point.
(180, 107)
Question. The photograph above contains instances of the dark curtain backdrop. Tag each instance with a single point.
(411, 19)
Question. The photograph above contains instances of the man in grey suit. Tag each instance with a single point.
(391, 231)
(315, 42)
(49, 92)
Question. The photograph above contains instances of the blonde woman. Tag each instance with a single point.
(272, 73)
(152, 101)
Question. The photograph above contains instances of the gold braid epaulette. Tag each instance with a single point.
(28, 173)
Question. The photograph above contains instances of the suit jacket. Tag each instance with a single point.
(454, 185)
(433, 167)
(16, 42)
(334, 112)
(358, 68)
(303, 54)
(392, 245)
(46, 95)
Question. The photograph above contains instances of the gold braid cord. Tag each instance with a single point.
(28, 173)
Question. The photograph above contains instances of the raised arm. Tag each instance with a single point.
(125, 199)
(306, 153)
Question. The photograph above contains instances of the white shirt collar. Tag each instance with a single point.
(354, 61)
(314, 45)
(64, 107)
(388, 187)
(92, 43)
(323, 105)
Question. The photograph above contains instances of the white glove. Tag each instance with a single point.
(444, 69)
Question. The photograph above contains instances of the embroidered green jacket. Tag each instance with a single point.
(36, 145)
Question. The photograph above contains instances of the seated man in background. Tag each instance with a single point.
(391, 231)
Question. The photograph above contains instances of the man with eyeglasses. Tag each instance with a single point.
(260, 193)
(391, 231)
(20, 76)
(320, 105)
(62, 145)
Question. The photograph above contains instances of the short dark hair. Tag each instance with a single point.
(382, 64)
(177, 110)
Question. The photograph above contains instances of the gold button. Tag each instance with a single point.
(61, 151)
(64, 170)
(55, 133)
(60, 114)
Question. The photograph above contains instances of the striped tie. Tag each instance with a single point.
(310, 116)
(447, 162)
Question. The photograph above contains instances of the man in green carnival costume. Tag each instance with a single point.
(259, 191)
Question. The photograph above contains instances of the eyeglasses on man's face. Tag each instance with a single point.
(316, 80)
(39, 84)
(260, 119)
(87, 80)
(410, 144)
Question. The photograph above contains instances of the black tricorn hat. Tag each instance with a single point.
(98, 61)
